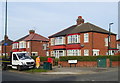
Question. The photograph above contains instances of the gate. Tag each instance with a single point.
(101, 62)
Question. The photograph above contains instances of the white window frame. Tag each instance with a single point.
(86, 52)
(73, 39)
(28, 44)
(36, 54)
(22, 44)
(96, 51)
(75, 52)
(86, 37)
(59, 40)
(57, 53)
(52, 41)
(0, 47)
(44, 46)
(14, 45)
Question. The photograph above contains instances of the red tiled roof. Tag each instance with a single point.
(35, 37)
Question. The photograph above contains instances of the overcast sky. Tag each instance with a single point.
(47, 18)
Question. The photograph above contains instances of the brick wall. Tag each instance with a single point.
(37, 46)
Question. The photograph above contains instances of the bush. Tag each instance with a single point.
(82, 58)
(115, 58)
(42, 58)
(78, 58)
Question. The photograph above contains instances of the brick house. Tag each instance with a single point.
(82, 39)
(32, 43)
(118, 46)
(8, 46)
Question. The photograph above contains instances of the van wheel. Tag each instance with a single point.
(19, 68)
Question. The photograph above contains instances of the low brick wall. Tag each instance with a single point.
(79, 64)
(115, 63)
(88, 64)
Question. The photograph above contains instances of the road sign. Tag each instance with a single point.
(5, 44)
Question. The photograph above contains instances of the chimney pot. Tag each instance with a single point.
(79, 20)
(31, 31)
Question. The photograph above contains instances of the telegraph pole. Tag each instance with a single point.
(5, 36)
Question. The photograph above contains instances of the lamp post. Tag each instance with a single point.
(109, 39)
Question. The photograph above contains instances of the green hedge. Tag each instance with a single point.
(42, 58)
(115, 58)
(89, 58)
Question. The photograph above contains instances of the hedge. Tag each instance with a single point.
(42, 58)
(115, 58)
(89, 58)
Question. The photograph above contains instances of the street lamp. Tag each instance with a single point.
(109, 37)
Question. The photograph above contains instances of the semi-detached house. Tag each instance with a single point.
(82, 39)
(32, 43)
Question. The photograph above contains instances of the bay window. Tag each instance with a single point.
(59, 40)
(22, 44)
(14, 45)
(73, 39)
(58, 53)
(73, 52)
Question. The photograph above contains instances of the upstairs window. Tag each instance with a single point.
(44, 46)
(59, 40)
(22, 44)
(52, 40)
(86, 37)
(73, 39)
(14, 45)
(0, 47)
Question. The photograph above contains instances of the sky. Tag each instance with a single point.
(47, 18)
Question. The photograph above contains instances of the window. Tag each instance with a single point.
(106, 41)
(28, 44)
(86, 37)
(0, 47)
(44, 46)
(52, 41)
(14, 57)
(73, 52)
(34, 53)
(59, 40)
(86, 52)
(58, 53)
(73, 39)
(95, 52)
(47, 53)
(22, 44)
(15, 46)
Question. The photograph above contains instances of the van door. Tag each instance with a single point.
(15, 60)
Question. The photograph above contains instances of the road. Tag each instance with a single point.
(101, 76)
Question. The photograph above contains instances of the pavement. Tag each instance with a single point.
(79, 70)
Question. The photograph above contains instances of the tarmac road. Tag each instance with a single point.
(99, 76)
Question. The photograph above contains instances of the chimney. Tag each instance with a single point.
(31, 31)
(79, 20)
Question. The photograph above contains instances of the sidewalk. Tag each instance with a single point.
(78, 70)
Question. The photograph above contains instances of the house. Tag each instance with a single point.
(8, 46)
(32, 43)
(82, 39)
(118, 46)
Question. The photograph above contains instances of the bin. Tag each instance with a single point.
(47, 66)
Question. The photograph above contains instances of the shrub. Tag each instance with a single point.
(82, 58)
(42, 58)
(115, 58)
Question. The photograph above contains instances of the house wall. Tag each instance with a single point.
(96, 41)
(8, 49)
